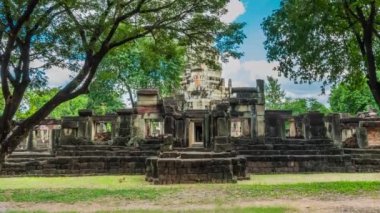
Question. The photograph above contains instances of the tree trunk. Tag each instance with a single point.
(130, 95)
(2, 158)
(9, 144)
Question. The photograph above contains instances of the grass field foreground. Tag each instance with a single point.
(91, 188)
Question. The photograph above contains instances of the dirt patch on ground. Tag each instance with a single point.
(347, 204)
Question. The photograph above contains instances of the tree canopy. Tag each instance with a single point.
(352, 97)
(324, 40)
(39, 34)
(147, 63)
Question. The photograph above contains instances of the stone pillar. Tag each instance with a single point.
(222, 127)
(260, 123)
(333, 128)
(298, 121)
(30, 145)
(221, 140)
(260, 111)
(292, 128)
(169, 125)
(123, 127)
(186, 138)
(55, 135)
(86, 125)
(180, 132)
(206, 130)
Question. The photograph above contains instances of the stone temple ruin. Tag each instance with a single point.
(208, 132)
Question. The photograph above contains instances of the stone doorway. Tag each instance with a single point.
(196, 134)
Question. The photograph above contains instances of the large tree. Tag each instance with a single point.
(325, 40)
(79, 34)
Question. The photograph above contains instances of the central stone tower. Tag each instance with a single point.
(202, 86)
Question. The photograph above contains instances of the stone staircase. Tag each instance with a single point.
(79, 160)
(365, 160)
(295, 155)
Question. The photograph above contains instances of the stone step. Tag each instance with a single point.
(362, 151)
(298, 141)
(285, 147)
(197, 155)
(291, 152)
(298, 157)
(370, 156)
(149, 146)
(94, 147)
(366, 161)
(192, 149)
(105, 153)
(30, 155)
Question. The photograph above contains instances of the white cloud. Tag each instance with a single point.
(245, 73)
(58, 77)
(235, 9)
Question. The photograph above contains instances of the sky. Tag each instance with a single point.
(253, 65)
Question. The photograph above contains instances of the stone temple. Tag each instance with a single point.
(208, 132)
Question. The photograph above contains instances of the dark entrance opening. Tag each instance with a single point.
(198, 127)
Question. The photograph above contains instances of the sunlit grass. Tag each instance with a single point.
(91, 188)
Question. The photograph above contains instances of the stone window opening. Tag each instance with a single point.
(42, 137)
(240, 127)
(236, 130)
(70, 131)
(103, 131)
(154, 128)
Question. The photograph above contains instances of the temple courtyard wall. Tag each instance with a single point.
(224, 143)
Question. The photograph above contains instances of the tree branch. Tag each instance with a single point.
(78, 26)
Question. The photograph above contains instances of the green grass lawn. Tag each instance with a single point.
(72, 190)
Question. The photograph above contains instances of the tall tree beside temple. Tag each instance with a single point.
(274, 95)
(325, 40)
(147, 63)
(352, 97)
(77, 35)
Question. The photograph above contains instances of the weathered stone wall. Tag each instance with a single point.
(208, 167)
(294, 164)
(79, 160)
(78, 165)
(299, 155)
